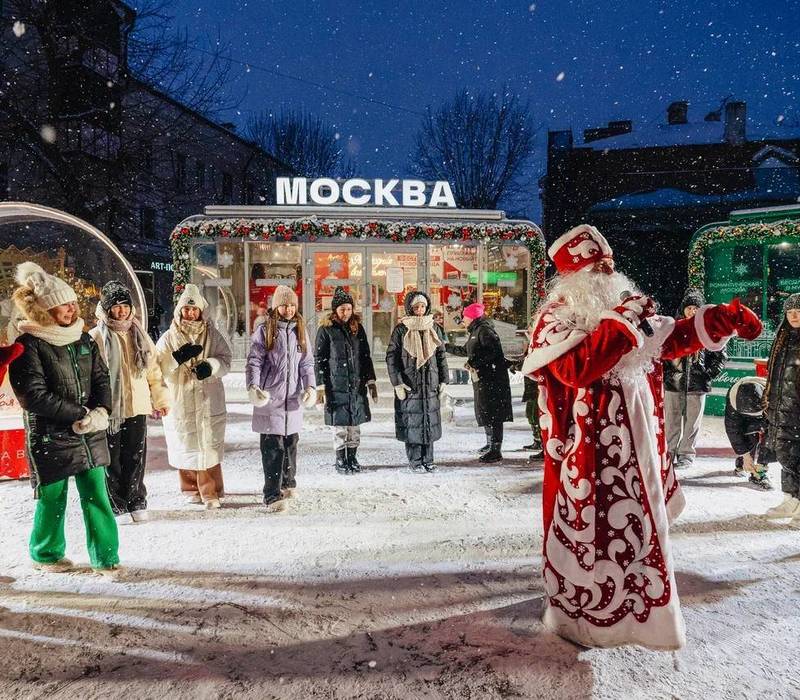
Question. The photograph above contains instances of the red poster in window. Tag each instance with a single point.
(328, 268)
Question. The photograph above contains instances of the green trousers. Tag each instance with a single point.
(48, 544)
(532, 414)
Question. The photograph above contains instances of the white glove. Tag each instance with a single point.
(93, 422)
(258, 397)
(309, 397)
(373, 392)
(441, 388)
(401, 391)
(473, 375)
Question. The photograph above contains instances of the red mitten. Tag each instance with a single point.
(724, 320)
(8, 354)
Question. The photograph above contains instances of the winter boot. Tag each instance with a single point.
(789, 508)
(738, 469)
(342, 465)
(352, 461)
(760, 479)
(484, 449)
(417, 468)
(492, 455)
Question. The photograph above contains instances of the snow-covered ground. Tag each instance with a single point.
(386, 584)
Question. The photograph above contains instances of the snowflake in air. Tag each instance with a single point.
(740, 269)
(335, 266)
(224, 260)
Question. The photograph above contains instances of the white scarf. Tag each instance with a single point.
(420, 340)
(54, 334)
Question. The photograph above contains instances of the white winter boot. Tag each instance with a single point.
(789, 508)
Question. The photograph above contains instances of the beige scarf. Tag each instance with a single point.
(420, 340)
(53, 334)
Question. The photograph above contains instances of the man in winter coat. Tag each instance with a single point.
(783, 408)
(491, 387)
(417, 367)
(137, 391)
(687, 381)
(745, 426)
(609, 493)
(280, 382)
(194, 356)
(344, 372)
(61, 383)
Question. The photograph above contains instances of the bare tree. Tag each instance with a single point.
(306, 143)
(479, 143)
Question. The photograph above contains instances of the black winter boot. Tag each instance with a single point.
(352, 461)
(492, 455)
(342, 465)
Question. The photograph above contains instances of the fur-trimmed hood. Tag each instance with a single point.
(330, 319)
(25, 301)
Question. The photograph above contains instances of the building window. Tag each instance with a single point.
(227, 188)
(180, 172)
(5, 189)
(200, 176)
(147, 222)
(147, 158)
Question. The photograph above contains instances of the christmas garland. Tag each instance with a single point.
(312, 229)
(757, 232)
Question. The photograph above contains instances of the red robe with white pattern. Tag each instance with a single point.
(609, 493)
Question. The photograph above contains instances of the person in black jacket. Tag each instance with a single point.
(783, 408)
(344, 373)
(417, 367)
(746, 426)
(686, 383)
(491, 387)
(62, 384)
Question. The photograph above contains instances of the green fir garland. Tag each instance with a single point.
(312, 229)
(735, 233)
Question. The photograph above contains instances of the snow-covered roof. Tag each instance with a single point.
(693, 133)
(669, 197)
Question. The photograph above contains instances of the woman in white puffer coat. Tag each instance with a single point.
(194, 356)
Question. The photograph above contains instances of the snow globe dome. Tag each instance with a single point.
(65, 246)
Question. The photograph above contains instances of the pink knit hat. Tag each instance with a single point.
(473, 311)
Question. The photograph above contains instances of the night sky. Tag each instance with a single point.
(581, 63)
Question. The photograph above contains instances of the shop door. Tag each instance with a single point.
(392, 272)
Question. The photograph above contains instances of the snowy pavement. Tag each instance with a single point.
(385, 584)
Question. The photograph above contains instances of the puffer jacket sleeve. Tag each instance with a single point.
(441, 363)
(322, 359)
(30, 387)
(101, 384)
(255, 358)
(715, 363)
(306, 367)
(159, 395)
(365, 357)
(166, 362)
(394, 356)
(220, 357)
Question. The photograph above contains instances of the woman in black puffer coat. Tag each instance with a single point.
(783, 407)
(344, 373)
(417, 369)
(62, 384)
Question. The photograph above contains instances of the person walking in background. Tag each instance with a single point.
(137, 391)
(417, 367)
(62, 385)
(194, 356)
(438, 324)
(687, 381)
(280, 381)
(783, 408)
(491, 386)
(344, 374)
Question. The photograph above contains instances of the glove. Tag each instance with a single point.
(734, 318)
(320, 396)
(159, 413)
(187, 352)
(258, 397)
(373, 392)
(93, 422)
(401, 391)
(441, 388)
(636, 308)
(202, 370)
(309, 397)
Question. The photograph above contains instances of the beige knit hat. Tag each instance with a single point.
(283, 295)
(190, 296)
(48, 290)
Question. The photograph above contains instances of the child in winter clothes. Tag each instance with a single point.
(745, 426)
(344, 373)
(783, 408)
(280, 381)
(61, 382)
(194, 356)
(137, 391)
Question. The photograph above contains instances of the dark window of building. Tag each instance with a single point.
(227, 188)
(200, 176)
(147, 158)
(249, 193)
(5, 189)
(180, 172)
(147, 222)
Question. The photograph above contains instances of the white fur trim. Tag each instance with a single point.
(636, 335)
(216, 366)
(539, 357)
(702, 333)
(569, 235)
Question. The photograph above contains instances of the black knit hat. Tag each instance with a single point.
(692, 297)
(792, 303)
(114, 292)
(340, 297)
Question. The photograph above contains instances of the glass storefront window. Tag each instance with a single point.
(735, 271)
(337, 268)
(783, 278)
(393, 275)
(272, 264)
(453, 282)
(506, 290)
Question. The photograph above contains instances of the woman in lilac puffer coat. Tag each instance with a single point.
(280, 380)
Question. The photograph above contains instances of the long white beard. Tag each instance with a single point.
(584, 296)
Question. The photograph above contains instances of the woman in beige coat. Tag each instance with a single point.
(194, 356)
(137, 391)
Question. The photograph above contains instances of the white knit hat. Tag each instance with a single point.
(419, 299)
(49, 290)
(190, 296)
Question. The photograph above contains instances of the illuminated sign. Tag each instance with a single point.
(326, 191)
